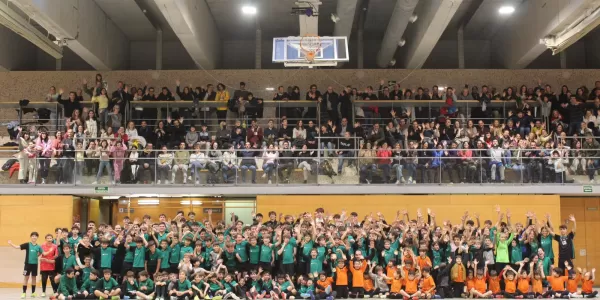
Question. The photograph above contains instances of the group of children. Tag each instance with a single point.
(310, 256)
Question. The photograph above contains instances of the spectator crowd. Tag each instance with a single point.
(538, 134)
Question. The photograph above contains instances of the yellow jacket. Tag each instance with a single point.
(102, 101)
(222, 96)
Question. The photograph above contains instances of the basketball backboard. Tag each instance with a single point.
(330, 51)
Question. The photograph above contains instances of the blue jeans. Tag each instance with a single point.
(104, 165)
(506, 159)
(574, 127)
(341, 162)
(366, 171)
(411, 169)
(326, 148)
(398, 168)
(225, 169)
(268, 169)
(386, 172)
(524, 131)
(252, 169)
(196, 167)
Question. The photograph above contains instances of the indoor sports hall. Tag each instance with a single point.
(299, 149)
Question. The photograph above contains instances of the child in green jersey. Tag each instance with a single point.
(31, 261)
(145, 286)
(107, 287)
(67, 287)
(88, 286)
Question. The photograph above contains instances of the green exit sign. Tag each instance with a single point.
(101, 190)
(587, 189)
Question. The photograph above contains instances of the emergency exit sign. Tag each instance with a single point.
(101, 190)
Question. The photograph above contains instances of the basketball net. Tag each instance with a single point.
(310, 44)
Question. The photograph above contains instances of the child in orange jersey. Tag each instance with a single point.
(369, 286)
(469, 284)
(341, 279)
(523, 283)
(324, 286)
(480, 287)
(458, 276)
(411, 284)
(588, 283)
(358, 278)
(574, 279)
(587, 279)
(423, 260)
(427, 284)
(557, 284)
(494, 284)
(396, 286)
(537, 280)
(510, 282)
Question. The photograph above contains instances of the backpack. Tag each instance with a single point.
(6, 166)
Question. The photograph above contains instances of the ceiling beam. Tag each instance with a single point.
(434, 16)
(346, 10)
(194, 25)
(486, 21)
(531, 22)
(403, 10)
(85, 28)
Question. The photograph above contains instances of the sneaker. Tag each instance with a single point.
(78, 182)
(397, 181)
(368, 181)
(33, 295)
(410, 180)
(23, 296)
(166, 182)
(592, 181)
(115, 298)
(189, 178)
(158, 182)
(95, 182)
(43, 181)
(197, 182)
(31, 182)
(43, 295)
(269, 181)
(264, 175)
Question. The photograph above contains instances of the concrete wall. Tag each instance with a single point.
(34, 85)
(142, 56)
(15, 52)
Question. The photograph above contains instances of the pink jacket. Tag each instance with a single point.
(118, 152)
(465, 154)
(46, 147)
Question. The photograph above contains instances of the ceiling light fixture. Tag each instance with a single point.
(249, 10)
(506, 10)
(192, 202)
(148, 202)
(270, 89)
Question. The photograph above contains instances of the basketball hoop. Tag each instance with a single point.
(310, 44)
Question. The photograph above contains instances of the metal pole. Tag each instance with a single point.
(360, 40)
(461, 47)
(258, 45)
(159, 49)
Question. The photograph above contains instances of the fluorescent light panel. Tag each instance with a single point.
(248, 10)
(506, 10)
(188, 202)
(148, 202)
